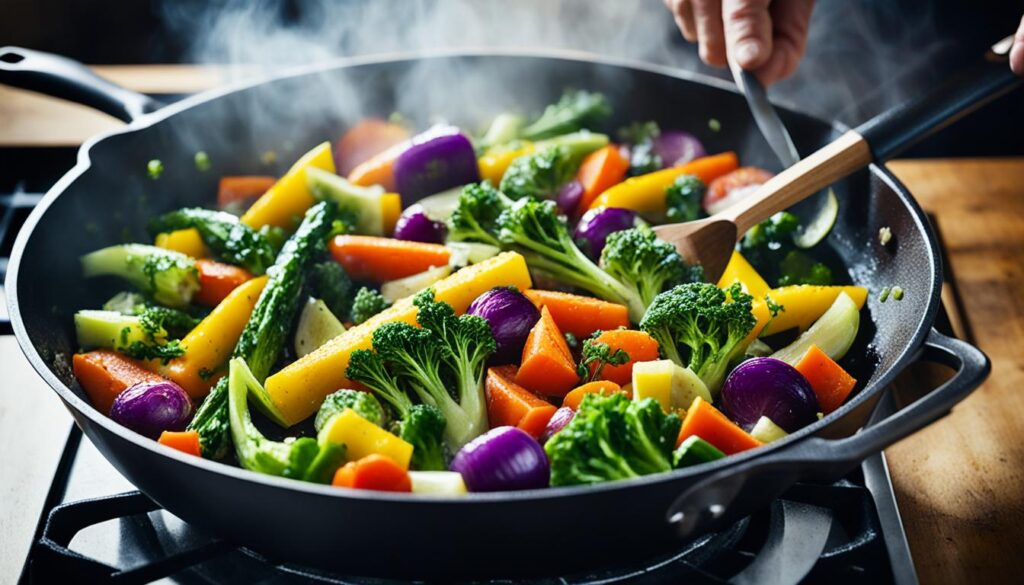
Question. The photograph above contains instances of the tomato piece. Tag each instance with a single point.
(724, 186)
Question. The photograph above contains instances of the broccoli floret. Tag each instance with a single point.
(769, 247)
(475, 217)
(644, 264)
(575, 110)
(329, 282)
(230, 240)
(799, 268)
(612, 437)
(683, 199)
(176, 323)
(595, 355)
(367, 368)
(169, 277)
(366, 304)
(701, 326)
(337, 402)
(301, 458)
(642, 157)
(539, 175)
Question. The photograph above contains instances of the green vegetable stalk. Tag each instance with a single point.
(230, 240)
(169, 277)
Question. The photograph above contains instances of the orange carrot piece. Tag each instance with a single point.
(708, 423)
(573, 399)
(373, 472)
(217, 280)
(184, 441)
(243, 189)
(383, 259)
(598, 171)
(509, 404)
(709, 168)
(366, 139)
(640, 346)
(830, 382)
(547, 367)
(104, 374)
(580, 315)
(379, 169)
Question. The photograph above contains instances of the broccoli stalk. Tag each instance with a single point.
(573, 111)
(230, 240)
(645, 264)
(612, 437)
(366, 304)
(169, 277)
(707, 323)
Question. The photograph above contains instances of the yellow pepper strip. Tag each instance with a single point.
(495, 161)
(298, 389)
(739, 270)
(361, 438)
(390, 209)
(208, 347)
(803, 303)
(286, 202)
(645, 194)
(186, 241)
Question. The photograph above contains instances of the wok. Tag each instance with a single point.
(108, 196)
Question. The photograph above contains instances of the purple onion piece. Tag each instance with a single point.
(150, 408)
(772, 388)
(569, 197)
(511, 316)
(503, 459)
(415, 226)
(559, 420)
(677, 147)
(595, 225)
(436, 160)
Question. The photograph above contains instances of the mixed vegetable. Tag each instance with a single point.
(517, 325)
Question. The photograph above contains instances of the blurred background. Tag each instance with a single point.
(862, 57)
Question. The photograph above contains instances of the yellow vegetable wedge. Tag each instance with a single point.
(188, 242)
(361, 438)
(284, 204)
(298, 389)
(495, 162)
(390, 210)
(804, 304)
(208, 347)
(672, 385)
(739, 270)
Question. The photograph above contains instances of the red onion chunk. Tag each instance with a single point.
(559, 420)
(414, 225)
(596, 224)
(772, 388)
(569, 197)
(150, 408)
(511, 316)
(677, 147)
(503, 459)
(438, 159)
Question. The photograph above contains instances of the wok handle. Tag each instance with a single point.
(737, 491)
(67, 79)
(898, 129)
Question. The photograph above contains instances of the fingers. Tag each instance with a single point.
(1017, 52)
(682, 10)
(707, 15)
(791, 20)
(748, 31)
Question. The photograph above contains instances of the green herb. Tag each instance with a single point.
(202, 160)
(884, 235)
(714, 124)
(884, 295)
(897, 293)
(206, 374)
(598, 354)
(155, 168)
(163, 352)
(571, 340)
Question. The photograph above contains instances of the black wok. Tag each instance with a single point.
(108, 196)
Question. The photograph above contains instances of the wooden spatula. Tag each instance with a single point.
(709, 242)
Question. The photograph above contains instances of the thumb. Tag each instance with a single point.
(748, 32)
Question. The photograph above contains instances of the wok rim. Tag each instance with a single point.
(83, 407)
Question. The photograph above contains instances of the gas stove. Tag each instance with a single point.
(96, 528)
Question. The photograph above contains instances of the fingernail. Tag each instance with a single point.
(747, 53)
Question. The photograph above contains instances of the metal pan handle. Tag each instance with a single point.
(737, 491)
(67, 79)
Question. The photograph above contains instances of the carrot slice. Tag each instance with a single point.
(830, 382)
(104, 374)
(510, 404)
(383, 259)
(600, 169)
(547, 367)
(379, 169)
(640, 346)
(217, 280)
(373, 472)
(242, 190)
(573, 399)
(706, 422)
(184, 441)
(580, 315)
(366, 139)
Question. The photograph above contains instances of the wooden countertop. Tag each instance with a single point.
(959, 483)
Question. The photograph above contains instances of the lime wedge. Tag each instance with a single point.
(816, 228)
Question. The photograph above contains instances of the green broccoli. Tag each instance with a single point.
(598, 354)
(573, 111)
(176, 323)
(169, 277)
(642, 157)
(475, 218)
(645, 264)
(329, 282)
(701, 326)
(230, 240)
(337, 402)
(301, 458)
(366, 304)
(799, 268)
(612, 437)
(539, 175)
(769, 247)
(503, 129)
(683, 199)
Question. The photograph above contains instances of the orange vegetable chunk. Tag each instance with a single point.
(373, 472)
(365, 140)
(830, 382)
(706, 422)
(242, 190)
(547, 367)
(104, 374)
(509, 404)
(383, 259)
(598, 171)
(573, 399)
(184, 441)
(640, 346)
(217, 280)
(580, 315)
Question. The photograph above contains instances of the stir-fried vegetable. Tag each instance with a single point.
(230, 240)
(169, 277)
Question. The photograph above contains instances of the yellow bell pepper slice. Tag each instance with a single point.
(390, 210)
(284, 204)
(186, 241)
(495, 162)
(804, 304)
(739, 270)
(298, 389)
(361, 438)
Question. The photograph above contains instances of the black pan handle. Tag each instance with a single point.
(896, 130)
(67, 79)
(737, 491)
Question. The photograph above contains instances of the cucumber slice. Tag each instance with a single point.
(766, 431)
(833, 332)
(439, 206)
(695, 450)
(816, 228)
(111, 330)
(317, 325)
(364, 202)
(580, 143)
(410, 285)
(466, 253)
(447, 483)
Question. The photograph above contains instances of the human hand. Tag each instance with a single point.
(1017, 52)
(762, 36)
